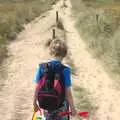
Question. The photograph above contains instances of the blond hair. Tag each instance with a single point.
(58, 48)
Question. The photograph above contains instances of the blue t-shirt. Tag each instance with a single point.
(67, 74)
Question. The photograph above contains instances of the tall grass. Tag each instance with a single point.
(100, 29)
(14, 14)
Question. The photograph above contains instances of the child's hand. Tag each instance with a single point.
(35, 107)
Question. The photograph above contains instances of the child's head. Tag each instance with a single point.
(58, 49)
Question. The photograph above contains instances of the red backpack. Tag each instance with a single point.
(51, 89)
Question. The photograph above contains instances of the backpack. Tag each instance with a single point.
(51, 89)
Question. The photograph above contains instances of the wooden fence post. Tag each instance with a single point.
(53, 33)
(57, 17)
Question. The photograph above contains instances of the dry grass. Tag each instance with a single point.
(100, 29)
(82, 101)
(60, 25)
(15, 13)
(70, 62)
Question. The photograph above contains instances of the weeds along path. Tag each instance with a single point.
(28, 51)
(91, 75)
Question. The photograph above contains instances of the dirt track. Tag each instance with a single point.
(28, 51)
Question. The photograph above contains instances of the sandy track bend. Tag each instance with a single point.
(28, 51)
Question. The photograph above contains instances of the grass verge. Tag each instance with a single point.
(14, 14)
(99, 27)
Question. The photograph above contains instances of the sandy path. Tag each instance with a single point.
(28, 51)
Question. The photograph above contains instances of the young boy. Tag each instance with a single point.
(58, 50)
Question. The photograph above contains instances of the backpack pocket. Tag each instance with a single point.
(49, 102)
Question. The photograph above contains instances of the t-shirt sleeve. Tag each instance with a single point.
(38, 74)
(67, 76)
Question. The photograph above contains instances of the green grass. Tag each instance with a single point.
(100, 29)
(101, 1)
(102, 4)
(14, 14)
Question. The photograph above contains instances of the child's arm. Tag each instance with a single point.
(39, 72)
(70, 100)
(35, 98)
